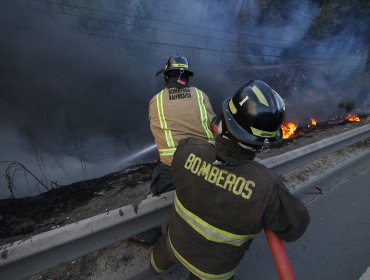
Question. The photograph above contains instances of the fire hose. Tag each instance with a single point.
(279, 255)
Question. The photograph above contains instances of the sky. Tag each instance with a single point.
(76, 77)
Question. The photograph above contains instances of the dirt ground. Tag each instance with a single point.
(20, 218)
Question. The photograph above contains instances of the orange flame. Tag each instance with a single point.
(312, 123)
(288, 129)
(352, 118)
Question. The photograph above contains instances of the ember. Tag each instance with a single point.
(288, 129)
(352, 118)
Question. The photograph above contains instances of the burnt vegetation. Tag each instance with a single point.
(348, 105)
(20, 217)
(13, 168)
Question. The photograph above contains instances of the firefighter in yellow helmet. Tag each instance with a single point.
(223, 197)
(176, 112)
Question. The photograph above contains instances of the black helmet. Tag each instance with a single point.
(176, 62)
(253, 116)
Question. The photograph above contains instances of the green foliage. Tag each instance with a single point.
(326, 23)
(348, 105)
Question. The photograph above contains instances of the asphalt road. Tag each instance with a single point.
(337, 242)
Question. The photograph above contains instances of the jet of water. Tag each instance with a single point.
(125, 161)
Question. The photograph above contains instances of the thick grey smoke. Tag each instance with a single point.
(313, 77)
(76, 76)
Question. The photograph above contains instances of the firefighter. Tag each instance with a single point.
(176, 112)
(224, 198)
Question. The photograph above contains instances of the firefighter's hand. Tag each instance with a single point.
(215, 126)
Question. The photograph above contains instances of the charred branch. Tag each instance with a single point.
(10, 172)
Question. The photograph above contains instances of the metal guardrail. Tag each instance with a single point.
(286, 162)
(38, 253)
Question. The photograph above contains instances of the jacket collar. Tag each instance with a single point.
(230, 152)
(172, 83)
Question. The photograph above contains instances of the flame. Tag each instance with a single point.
(352, 118)
(312, 123)
(288, 129)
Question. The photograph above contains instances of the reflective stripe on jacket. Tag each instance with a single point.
(208, 231)
(175, 114)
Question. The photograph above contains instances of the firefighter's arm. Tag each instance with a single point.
(208, 105)
(285, 214)
(152, 108)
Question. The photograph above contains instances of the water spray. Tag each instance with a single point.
(123, 162)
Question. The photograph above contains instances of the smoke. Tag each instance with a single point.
(313, 64)
(76, 77)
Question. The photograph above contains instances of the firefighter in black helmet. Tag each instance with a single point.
(178, 111)
(178, 66)
(223, 197)
(253, 116)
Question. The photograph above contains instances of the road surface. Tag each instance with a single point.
(337, 242)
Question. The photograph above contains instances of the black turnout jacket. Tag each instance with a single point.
(223, 200)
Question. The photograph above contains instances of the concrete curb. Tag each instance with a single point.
(330, 172)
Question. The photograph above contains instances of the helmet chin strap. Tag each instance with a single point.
(246, 147)
(181, 82)
(265, 148)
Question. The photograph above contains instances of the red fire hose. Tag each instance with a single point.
(280, 256)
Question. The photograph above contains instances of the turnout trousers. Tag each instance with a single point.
(162, 257)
